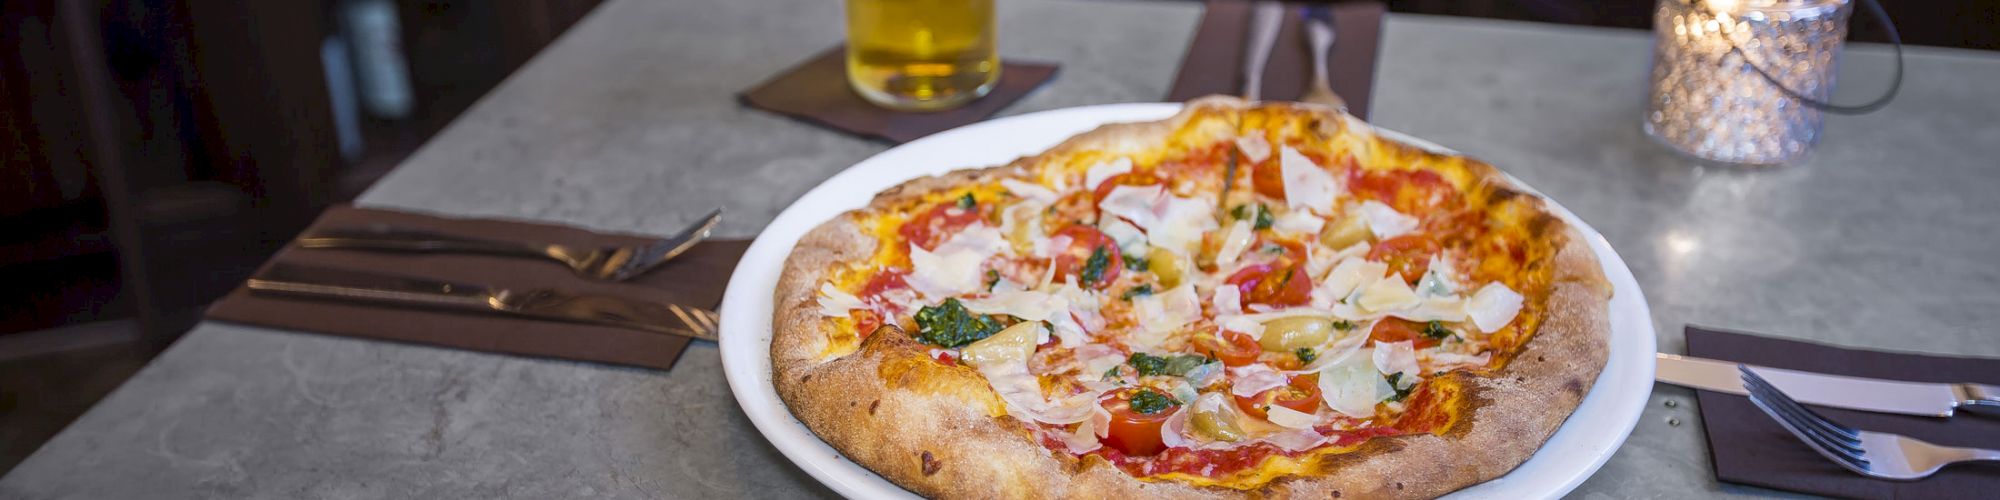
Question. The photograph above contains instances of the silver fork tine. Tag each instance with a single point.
(669, 247)
(1832, 446)
(1848, 437)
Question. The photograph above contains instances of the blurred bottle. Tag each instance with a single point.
(375, 36)
(921, 55)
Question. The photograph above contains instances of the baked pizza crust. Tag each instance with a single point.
(937, 430)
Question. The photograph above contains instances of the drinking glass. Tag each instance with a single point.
(921, 55)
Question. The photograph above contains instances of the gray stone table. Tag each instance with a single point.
(1886, 238)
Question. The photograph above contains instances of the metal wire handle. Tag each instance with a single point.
(1895, 85)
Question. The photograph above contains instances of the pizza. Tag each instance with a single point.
(1245, 299)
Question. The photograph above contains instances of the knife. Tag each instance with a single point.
(1839, 391)
(542, 303)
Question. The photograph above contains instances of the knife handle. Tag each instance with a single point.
(393, 239)
(466, 300)
(1979, 398)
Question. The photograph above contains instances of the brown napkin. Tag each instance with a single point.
(816, 91)
(1750, 448)
(1214, 62)
(696, 278)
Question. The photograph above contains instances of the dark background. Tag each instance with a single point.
(155, 151)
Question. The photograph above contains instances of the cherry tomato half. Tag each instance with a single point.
(1408, 191)
(1135, 433)
(1104, 188)
(939, 223)
(1233, 348)
(1300, 393)
(1398, 330)
(1272, 285)
(1267, 179)
(1073, 262)
(1408, 255)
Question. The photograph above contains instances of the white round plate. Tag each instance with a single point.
(1583, 443)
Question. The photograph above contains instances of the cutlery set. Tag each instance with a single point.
(1782, 394)
(552, 304)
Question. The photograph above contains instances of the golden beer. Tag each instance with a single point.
(921, 55)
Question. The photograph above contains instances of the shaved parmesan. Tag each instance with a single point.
(1388, 294)
(1254, 148)
(1233, 244)
(1493, 306)
(834, 302)
(1437, 280)
(1307, 185)
(1139, 204)
(1098, 358)
(1243, 324)
(1011, 345)
(1299, 222)
(1163, 313)
(1022, 391)
(939, 275)
(1083, 439)
(1440, 357)
(1434, 309)
(1397, 357)
(1384, 221)
(1351, 273)
(1255, 378)
(1173, 432)
(1227, 300)
(1025, 304)
(1296, 439)
(1182, 222)
(1351, 386)
(1290, 418)
(1130, 239)
(1029, 190)
(1105, 170)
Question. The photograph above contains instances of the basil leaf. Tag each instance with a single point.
(1437, 331)
(1137, 291)
(1263, 220)
(967, 201)
(1147, 402)
(1306, 355)
(950, 325)
(1093, 268)
(1178, 366)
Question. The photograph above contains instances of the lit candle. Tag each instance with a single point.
(1707, 100)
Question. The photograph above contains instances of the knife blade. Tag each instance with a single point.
(1839, 391)
(323, 283)
(1265, 17)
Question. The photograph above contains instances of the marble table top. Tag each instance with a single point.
(1885, 238)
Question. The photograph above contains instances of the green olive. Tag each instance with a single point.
(1344, 232)
(1219, 425)
(1166, 265)
(1290, 333)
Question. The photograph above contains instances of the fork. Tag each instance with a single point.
(1320, 37)
(1873, 454)
(617, 263)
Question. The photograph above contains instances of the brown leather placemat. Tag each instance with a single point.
(696, 278)
(1750, 448)
(1214, 61)
(816, 91)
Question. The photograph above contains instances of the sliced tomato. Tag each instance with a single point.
(884, 281)
(1408, 255)
(1300, 393)
(1134, 433)
(1267, 179)
(1233, 348)
(1273, 285)
(1408, 191)
(865, 321)
(1398, 330)
(939, 224)
(1104, 188)
(1073, 262)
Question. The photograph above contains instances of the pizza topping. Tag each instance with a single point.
(1234, 242)
(1290, 418)
(1299, 222)
(950, 325)
(1254, 379)
(1254, 148)
(1183, 222)
(1408, 255)
(1289, 334)
(1150, 365)
(1351, 386)
(1139, 204)
(1231, 347)
(1344, 232)
(1307, 186)
(1092, 260)
(834, 302)
(1010, 344)
(955, 267)
(1030, 191)
(1163, 313)
(1136, 418)
(1396, 358)
(1105, 170)
(940, 222)
(1131, 241)
(1385, 222)
(1213, 418)
(1493, 306)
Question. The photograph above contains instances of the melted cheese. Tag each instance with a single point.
(1307, 185)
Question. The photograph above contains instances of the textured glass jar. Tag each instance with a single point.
(1707, 100)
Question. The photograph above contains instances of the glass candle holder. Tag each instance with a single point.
(1707, 98)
